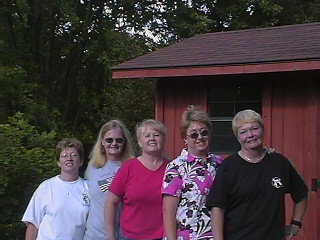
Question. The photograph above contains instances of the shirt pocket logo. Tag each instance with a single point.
(276, 182)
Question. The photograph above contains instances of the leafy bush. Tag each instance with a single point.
(27, 157)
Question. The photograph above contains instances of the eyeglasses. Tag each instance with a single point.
(118, 140)
(66, 155)
(195, 135)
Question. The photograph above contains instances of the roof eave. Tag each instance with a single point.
(217, 70)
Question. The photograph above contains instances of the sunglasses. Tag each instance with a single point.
(195, 135)
(118, 140)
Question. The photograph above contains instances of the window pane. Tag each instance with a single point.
(224, 101)
(256, 106)
(223, 139)
(248, 93)
(224, 145)
(222, 128)
(221, 94)
(221, 109)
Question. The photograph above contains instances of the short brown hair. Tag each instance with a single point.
(192, 114)
(69, 143)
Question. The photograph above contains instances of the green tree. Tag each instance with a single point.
(27, 157)
(65, 50)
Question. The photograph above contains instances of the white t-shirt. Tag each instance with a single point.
(59, 209)
(99, 180)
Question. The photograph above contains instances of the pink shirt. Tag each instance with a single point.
(140, 191)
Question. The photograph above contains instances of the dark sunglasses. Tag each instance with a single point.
(118, 140)
(195, 135)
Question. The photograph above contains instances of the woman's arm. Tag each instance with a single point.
(31, 232)
(170, 205)
(217, 222)
(299, 210)
(110, 209)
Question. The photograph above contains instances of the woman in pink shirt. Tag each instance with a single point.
(137, 185)
(188, 180)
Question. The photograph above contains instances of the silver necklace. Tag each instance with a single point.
(250, 159)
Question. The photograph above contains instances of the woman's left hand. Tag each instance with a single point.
(270, 150)
(290, 231)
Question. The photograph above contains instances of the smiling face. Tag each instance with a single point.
(113, 142)
(197, 146)
(69, 160)
(150, 141)
(250, 136)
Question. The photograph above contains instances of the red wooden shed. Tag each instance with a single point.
(275, 71)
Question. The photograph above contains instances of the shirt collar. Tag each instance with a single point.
(189, 157)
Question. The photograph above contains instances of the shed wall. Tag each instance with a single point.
(290, 108)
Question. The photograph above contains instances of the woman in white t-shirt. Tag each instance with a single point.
(59, 207)
(113, 146)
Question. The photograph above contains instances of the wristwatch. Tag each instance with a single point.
(297, 223)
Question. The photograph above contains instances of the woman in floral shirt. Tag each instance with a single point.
(188, 179)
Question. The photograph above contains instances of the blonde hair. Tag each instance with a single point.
(245, 116)
(98, 155)
(69, 143)
(192, 114)
(156, 125)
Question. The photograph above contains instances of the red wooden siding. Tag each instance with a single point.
(173, 98)
(294, 118)
(291, 112)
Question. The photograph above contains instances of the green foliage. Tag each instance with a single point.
(27, 157)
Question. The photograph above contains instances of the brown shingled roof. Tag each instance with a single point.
(265, 45)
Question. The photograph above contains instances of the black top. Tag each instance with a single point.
(253, 196)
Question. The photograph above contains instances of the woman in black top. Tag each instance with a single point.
(247, 200)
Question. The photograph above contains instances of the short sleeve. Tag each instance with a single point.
(172, 182)
(298, 189)
(118, 184)
(36, 207)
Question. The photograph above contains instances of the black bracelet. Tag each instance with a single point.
(297, 223)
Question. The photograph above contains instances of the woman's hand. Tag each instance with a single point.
(290, 231)
(270, 150)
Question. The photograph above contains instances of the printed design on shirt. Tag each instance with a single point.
(276, 182)
(85, 200)
(105, 183)
(191, 181)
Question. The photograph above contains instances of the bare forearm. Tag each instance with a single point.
(31, 232)
(170, 225)
(110, 209)
(170, 206)
(217, 223)
(299, 209)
